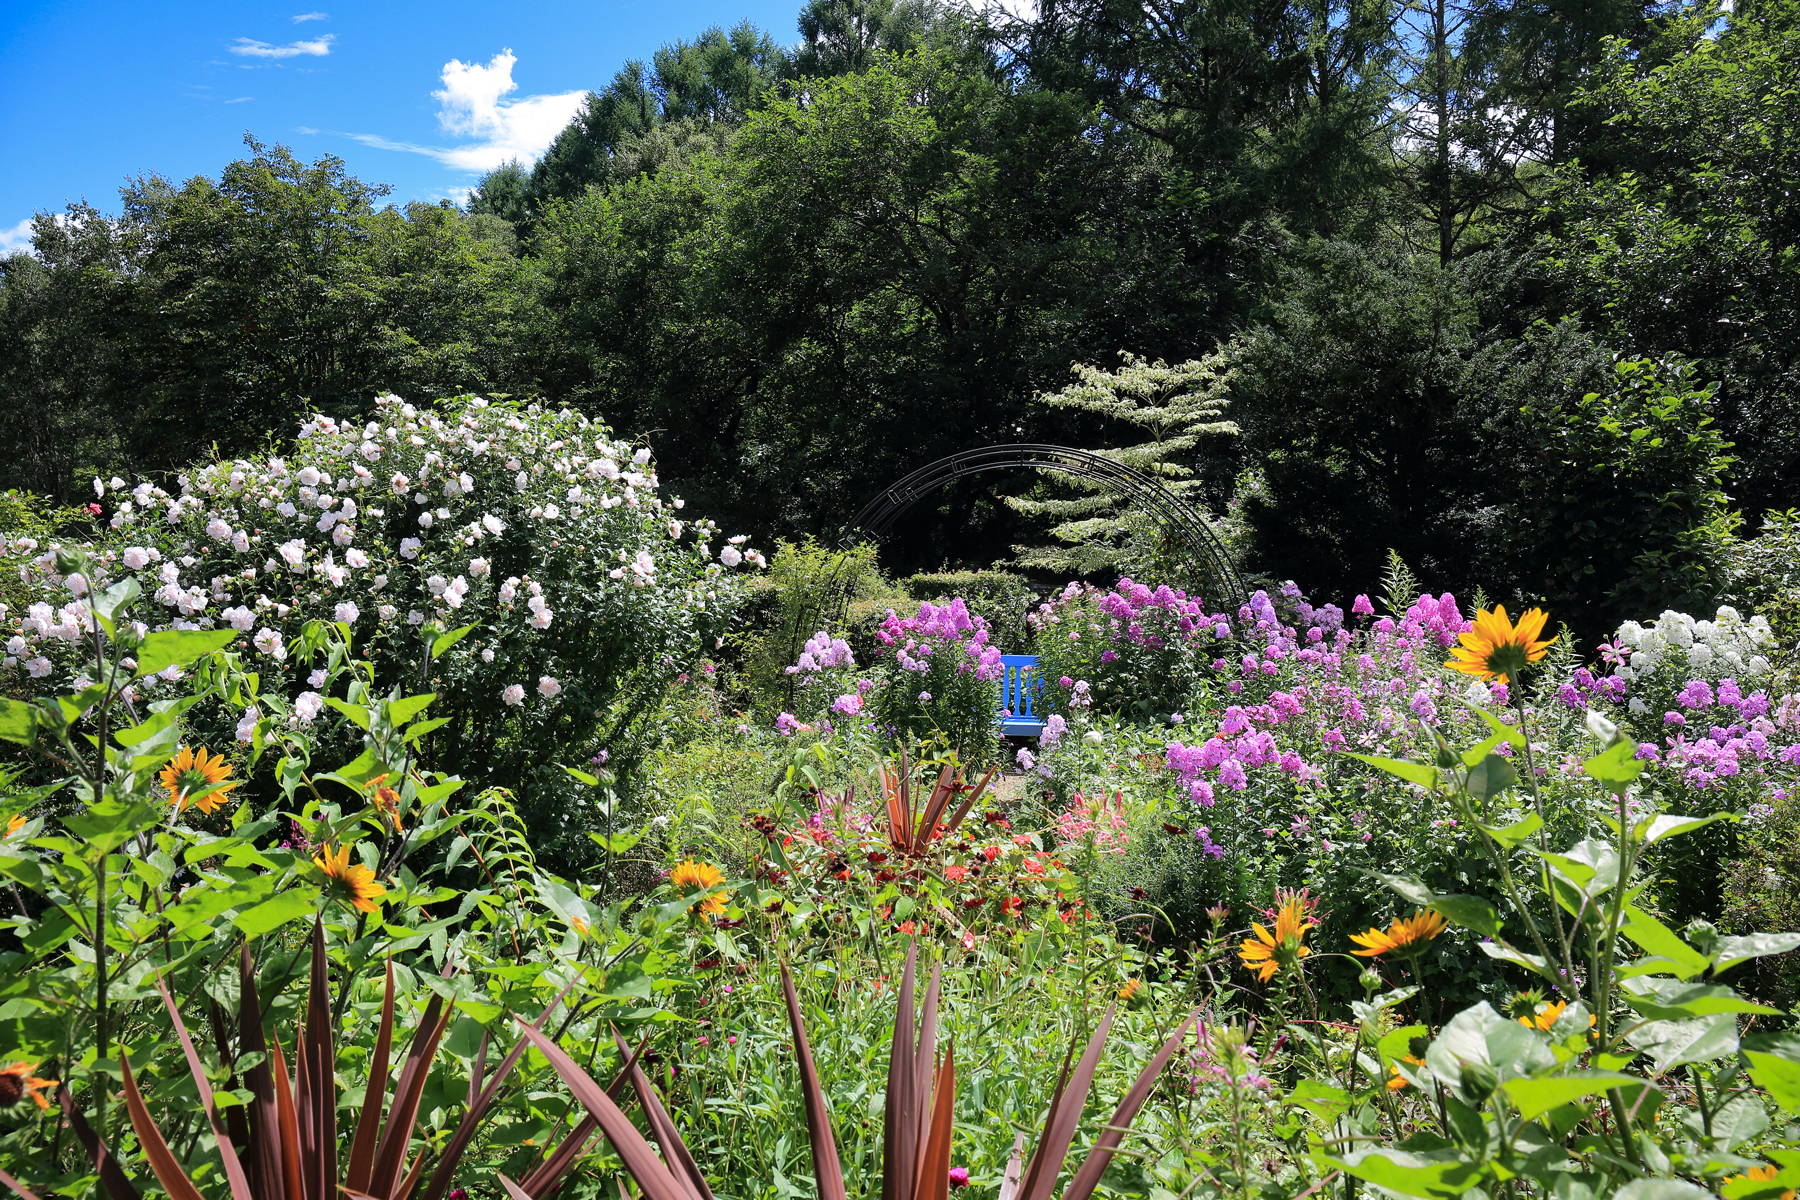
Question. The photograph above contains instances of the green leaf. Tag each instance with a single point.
(399, 712)
(1398, 1043)
(1504, 953)
(1680, 1001)
(1661, 1189)
(1500, 729)
(445, 641)
(1697, 1039)
(1739, 1121)
(18, 722)
(155, 723)
(424, 727)
(1406, 887)
(272, 914)
(179, 647)
(1615, 766)
(1653, 937)
(1420, 773)
(1325, 1101)
(1774, 1060)
(120, 595)
(111, 823)
(1669, 825)
(356, 712)
(1439, 1176)
(1534, 1097)
(1516, 833)
(1470, 912)
(1491, 776)
(582, 777)
(1733, 950)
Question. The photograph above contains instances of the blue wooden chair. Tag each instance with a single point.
(1021, 687)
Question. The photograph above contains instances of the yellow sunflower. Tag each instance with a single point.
(193, 778)
(1406, 935)
(1130, 989)
(1268, 952)
(353, 878)
(1498, 648)
(691, 876)
(1542, 1021)
(13, 824)
(1762, 1174)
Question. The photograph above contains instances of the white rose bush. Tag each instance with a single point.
(562, 591)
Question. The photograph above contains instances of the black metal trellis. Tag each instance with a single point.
(876, 517)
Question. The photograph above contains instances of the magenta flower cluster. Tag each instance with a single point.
(941, 629)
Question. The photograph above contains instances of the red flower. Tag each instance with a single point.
(990, 852)
(908, 927)
(877, 857)
(1012, 906)
(956, 873)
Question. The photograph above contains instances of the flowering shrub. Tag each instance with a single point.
(935, 674)
(582, 591)
(1132, 645)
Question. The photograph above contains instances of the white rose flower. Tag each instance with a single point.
(307, 705)
(548, 686)
(478, 567)
(347, 613)
(514, 695)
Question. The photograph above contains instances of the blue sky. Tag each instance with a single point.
(422, 96)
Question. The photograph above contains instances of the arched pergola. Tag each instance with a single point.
(1183, 520)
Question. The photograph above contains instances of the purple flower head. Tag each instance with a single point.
(1697, 694)
(787, 724)
(1362, 607)
(959, 1177)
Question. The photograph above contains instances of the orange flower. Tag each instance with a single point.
(17, 1082)
(1398, 1082)
(580, 925)
(353, 878)
(1268, 952)
(1498, 648)
(1405, 935)
(195, 779)
(690, 876)
(1130, 989)
(388, 801)
(15, 823)
(1545, 1017)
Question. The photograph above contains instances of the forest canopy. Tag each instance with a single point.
(1494, 277)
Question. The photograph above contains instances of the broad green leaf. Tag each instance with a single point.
(399, 712)
(617, 843)
(48, 932)
(1681, 1001)
(582, 777)
(1406, 887)
(120, 595)
(18, 722)
(1733, 950)
(1470, 912)
(1516, 833)
(199, 905)
(1508, 733)
(356, 712)
(272, 914)
(422, 728)
(1440, 1176)
(1531, 962)
(445, 641)
(1774, 1060)
(1739, 1121)
(1491, 776)
(155, 723)
(111, 823)
(1534, 1097)
(1653, 937)
(1420, 773)
(1615, 766)
(179, 647)
(1398, 1043)
(1661, 1189)
(1697, 1039)
(1325, 1101)
(1669, 825)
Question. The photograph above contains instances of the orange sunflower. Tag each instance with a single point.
(1406, 935)
(1268, 952)
(17, 1082)
(1544, 1019)
(1498, 648)
(1398, 1082)
(1762, 1174)
(193, 778)
(388, 801)
(692, 876)
(353, 878)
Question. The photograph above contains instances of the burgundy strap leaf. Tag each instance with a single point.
(828, 1169)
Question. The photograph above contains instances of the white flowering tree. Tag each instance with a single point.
(578, 591)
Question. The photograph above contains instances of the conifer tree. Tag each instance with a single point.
(1098, 529)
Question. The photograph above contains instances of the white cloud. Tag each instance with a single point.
(240, 99)
(472, 104)
(312, 16)
(16, 238)
(251, 48)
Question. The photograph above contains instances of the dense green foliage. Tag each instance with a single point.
(810, 269)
